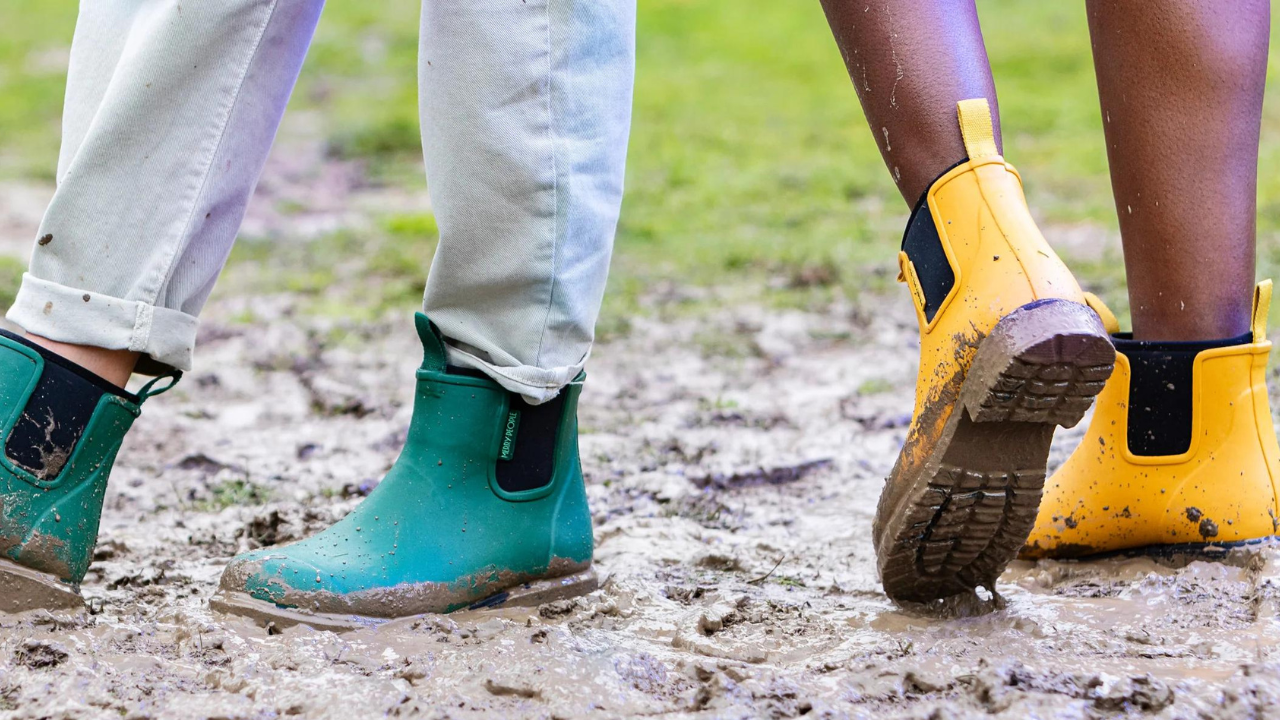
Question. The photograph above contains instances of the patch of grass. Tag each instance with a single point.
(415, 226)
(231, 493)
(749, 163)
(11, 270)
(720, 403)
(875, 386)
(387, 138)
(344, 274)
(34, 38)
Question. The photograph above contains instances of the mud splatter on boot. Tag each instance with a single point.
(62, 426)
(1008, 351)
(1181, 455)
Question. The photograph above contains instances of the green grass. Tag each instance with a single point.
(231, 493)
(749, 164)
(33, 35)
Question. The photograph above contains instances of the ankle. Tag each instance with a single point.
(114, 366)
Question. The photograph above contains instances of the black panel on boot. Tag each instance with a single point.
(533, 454)
(56, 415)
(1160, 391)
(528, 453)
(923, 247)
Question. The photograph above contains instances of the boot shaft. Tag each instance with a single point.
(526, 449)
(972, 252)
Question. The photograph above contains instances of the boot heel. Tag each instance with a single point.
(1043, 363)
(22, 589)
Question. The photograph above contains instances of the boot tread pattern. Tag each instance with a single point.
(1055, 392)
(963, 528)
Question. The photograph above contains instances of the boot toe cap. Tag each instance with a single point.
(272, 575)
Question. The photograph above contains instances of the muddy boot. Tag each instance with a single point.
(1180, 457)
(485, 505)
(1009, 350)
(63, 426)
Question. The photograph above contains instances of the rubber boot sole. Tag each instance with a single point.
(273, 616)
(23, 589)
(964, 515)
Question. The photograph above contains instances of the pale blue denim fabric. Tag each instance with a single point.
(525, 160)
(171, 110)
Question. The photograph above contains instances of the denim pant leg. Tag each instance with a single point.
(526, 110)
(171, 109)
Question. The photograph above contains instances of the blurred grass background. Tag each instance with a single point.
(750, 166)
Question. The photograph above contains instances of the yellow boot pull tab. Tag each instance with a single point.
(1261, 308)
(976, 128)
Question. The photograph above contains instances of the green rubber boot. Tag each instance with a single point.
(485, 506)
(53, 471)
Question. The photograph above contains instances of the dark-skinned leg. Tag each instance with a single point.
(1181, 451)
(911, 61)
(1008, 349)
(1181, 90)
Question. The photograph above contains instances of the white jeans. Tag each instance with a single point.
(171, 109)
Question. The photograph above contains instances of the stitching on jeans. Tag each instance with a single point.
(555, 190)
(231, 107)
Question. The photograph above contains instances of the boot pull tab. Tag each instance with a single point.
(1108, 318)
(1261, 308)
(976, 128)
(147, 390)
(434, 356)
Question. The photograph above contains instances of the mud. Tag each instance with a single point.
(732, 498)
(52, 456)
(398, 601)
(732, 495)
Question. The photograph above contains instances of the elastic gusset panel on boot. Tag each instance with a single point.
(532, 455)
(1161, 393)
(526, 459)
(56, 415)
(923, 247)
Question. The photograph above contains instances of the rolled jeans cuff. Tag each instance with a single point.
(83, 317)
(536, 384)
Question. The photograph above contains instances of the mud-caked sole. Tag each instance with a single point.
(526, 595)
(956, 521)
(23, 589)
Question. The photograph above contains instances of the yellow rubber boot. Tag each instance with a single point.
(1200, 477)
(1008, 351)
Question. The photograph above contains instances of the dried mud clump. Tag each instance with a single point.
(38, 655)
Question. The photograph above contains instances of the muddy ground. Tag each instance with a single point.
(733, 461)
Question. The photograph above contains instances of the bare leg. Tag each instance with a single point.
(112, 365)
(1181, 86)
(911, 61)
